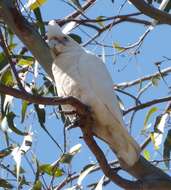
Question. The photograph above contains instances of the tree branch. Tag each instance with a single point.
(27, 34)
(148, 104)
(80, 107)
(124, 85)
(152, 12)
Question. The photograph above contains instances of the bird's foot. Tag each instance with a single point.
(72, 112)
(75, 123)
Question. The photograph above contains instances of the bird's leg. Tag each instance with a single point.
(72, 112)
(74, 123)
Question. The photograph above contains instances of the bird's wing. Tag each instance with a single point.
(94, 70)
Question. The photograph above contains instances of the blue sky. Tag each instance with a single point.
(155, 46)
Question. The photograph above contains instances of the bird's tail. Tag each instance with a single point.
(120, 142)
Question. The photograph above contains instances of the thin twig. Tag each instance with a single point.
(123, 85)
(148, 104)
(6, 51)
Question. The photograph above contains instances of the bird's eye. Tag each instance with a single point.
(65, 38)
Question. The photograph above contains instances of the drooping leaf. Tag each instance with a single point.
(67, 157)
(149, 114)
(168, 7)
(5, 184)
(75, 37)
(146, 154)
(117, 46)
(40, 114)
(37, 185)
(99, 185)
(23, 110)
(84, 173)
(39, 19)
(17, 155)
(12, 46)
(5, 152)
(7, 103)
(155, 80)
(25, 62)
(10, 119)
(69, 27)
(50, 88)
(76, 3)
(4, 125)
(3, 61)
(167, 149)
(33, 4)
(51, 170)
(99, 18)
(160, 125)
(7, 78)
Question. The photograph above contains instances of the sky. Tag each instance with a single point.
(125, 67)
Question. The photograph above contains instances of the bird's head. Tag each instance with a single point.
(58, 41)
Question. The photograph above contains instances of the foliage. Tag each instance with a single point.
(50, 160)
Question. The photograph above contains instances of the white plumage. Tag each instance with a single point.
(83, 75)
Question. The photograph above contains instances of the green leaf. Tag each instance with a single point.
(100, 22)
(167, 149)
(155, 80)
(84, 173)
(25, 62)
(51, 170)
(36, 3)
(149, 114)
(75, 37)
(12, 46)
(146, 154)
(23, 110)
(48, 87)
(5, 184)
(5, 152)
(37, 185)
(117, 46)
(3, 61)
(10, 119)
(7, 78)
(99, 185)
(76, 3)
(40, 23)
(40, 114)
(67, 157)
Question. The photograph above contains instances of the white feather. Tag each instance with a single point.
(83, 75)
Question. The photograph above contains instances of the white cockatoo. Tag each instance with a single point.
(83, 75)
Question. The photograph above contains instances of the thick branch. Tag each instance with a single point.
(86, 127)
(152, 12)
(80, 107)
(27, 34)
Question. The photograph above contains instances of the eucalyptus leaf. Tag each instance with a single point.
(5, 152)
(51, 170)
(75, 37)
(146, 154)
(5, 184)
(40, 23)
(23, 110)
(37, 185)
(10, 119)
(148, 115)
(167, 149)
